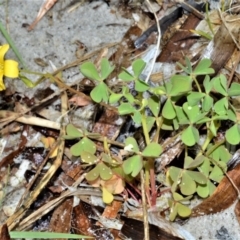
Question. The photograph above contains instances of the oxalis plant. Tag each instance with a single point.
(183, 106)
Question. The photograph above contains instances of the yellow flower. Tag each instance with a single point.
(8, 68)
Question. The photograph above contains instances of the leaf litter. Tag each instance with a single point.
(60, 185)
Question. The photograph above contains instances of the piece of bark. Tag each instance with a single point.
(8, 160)
(61, 218)
(220, 49)
(222, 198)
(4, 234)
(180, 42)
(81, 222)
(133, 229)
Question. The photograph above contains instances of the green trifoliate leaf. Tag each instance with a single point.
(137, 117)
(234, 89)
(174, 173)
(138, 66)
(195, 163)
(89, 70)
(187, 185)
(125, 108)
(106, 158)
(190, 136)
(129, 97)
(207, 103)
(115, 97)
(100, 93)
(205, 167)
(84, 145)
(203, 190)
(194, 98)
(197, 177)
(183, 210)
(131, 145)
(73, 132)
(177, 197)
(150, 122)
(180, 85)
(221, 106)
(168, 124)
(106, 68)
(173, 212)
(126, 76)
(191, 111)
(168, 111)
(187, 161)
(93, 174)
(203, 67)
(152, 150)
(88, 157)
(168, 87)
(207, 84)
(225, 156)
(220, 84)
(141, 86)
(158, 90)
(133, 165)
(181, 116)
(231, 115)
(154, 105)
(213, 128)
(104, 171)
(233, 135)
(216, 174)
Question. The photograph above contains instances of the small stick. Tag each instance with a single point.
(158, 42)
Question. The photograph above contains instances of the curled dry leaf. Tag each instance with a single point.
(79, 100)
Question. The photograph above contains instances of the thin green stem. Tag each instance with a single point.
(214, 147)
(145, 130)
(33, 73)
(11, 43)
(197, 84)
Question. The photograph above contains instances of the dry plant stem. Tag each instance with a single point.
(234, 185)
(49, 206)
(73, 64)
(15, 218)
(78, 61)
(36, 121)
(55, 145)
(43, 10)
(158, 42)
(226, 26)
(144, 206)
(55, 202)
(61, 84)
(234, 69)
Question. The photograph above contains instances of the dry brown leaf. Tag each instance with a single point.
(80, 221)
(4, 234)
(61, 218)
(79, 101)
(111, 211)
(48, 142)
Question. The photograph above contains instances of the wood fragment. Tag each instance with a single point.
(180, 42)
(220, 49)
(61, 218)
